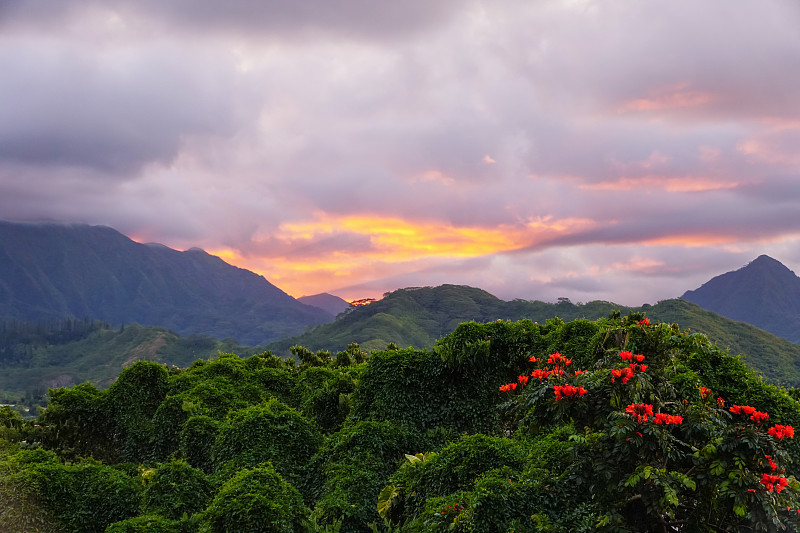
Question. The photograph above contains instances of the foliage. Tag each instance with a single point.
(41, 494)
(176, 488)
(269, 432)
(346, 475)
(147, 524)
(256, 499)
(617, 424)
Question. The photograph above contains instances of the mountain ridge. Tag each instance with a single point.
(50, 270)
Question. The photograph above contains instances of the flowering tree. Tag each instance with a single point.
(635, 427)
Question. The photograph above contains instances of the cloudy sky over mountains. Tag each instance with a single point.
(616, 150)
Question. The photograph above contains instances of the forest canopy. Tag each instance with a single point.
(618, 424)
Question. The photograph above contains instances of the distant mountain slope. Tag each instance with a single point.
(418, 317)
(763, 293)
(98, 354)
(327, 302)
(55, 270)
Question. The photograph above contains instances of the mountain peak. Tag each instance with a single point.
(764, 293)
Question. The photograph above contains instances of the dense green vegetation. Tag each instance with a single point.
(35, 356)
(418, 317)
(617, 424)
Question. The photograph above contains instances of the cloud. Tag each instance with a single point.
(539, 147)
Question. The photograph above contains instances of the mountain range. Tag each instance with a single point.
(50, 271)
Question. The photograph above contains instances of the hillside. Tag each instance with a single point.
(52, 271)
(98, 356)
(763, 293)
(419, 316)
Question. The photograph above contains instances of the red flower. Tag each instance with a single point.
(772, 482)
(579, 372)
(558, 360)
(772, 464)
(735, 409)
(645, 322)
(568, 391)
(705, 393)
(539, 373)
(746, 409)
(759, 416)
(664, 418)
(780, 431)
(533, 359)
(623, 373)
(639, 357)
(523, 379)
(720, 402)
(626, 356)
(642, 368)
(640, 410)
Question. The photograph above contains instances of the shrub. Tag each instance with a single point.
(255, 500)
(176, 488)
(271, 432)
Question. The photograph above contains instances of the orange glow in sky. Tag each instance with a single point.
(395, 246)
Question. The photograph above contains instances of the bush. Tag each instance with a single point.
(271, 432)
(176, 488)
(255, 500)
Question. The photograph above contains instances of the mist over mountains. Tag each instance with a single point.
(49, 271)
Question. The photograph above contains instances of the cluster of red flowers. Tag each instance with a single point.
(507, 387)
(630, 356)
(623, 373)
(541, 373)
(755, 416)
(705, 393)
(523, 379)
(720, 402)
(640, 410)
(558, 361)
(626, 374)
(568, 391)
(772, 482)
(645, 322)
(780, 431)
(664, 418)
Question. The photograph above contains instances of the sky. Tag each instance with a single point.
(612, 150)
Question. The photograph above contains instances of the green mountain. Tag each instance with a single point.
(38, 356)
(53, 271)
(419, 316)
(764, 293)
